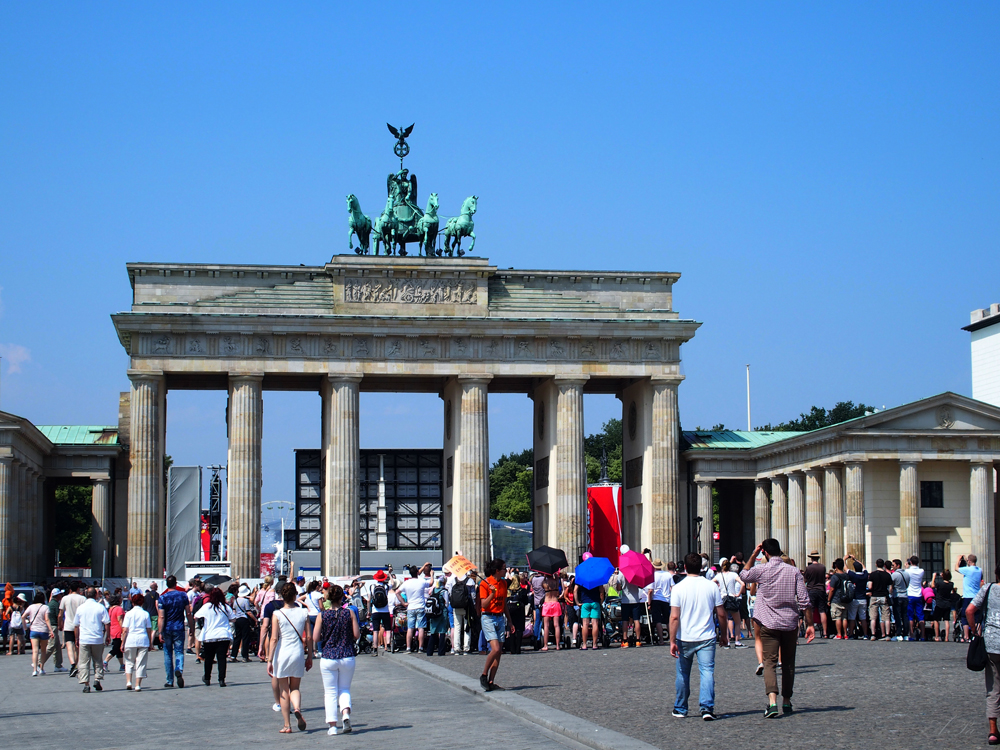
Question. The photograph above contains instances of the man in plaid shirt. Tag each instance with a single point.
(781, 594)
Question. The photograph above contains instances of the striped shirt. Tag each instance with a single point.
(781, 594)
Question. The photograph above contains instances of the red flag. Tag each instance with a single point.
(605, 510)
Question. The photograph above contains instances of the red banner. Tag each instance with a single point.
(604, 505)
(206, 538)
(266, 564)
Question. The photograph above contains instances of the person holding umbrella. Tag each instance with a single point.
(493, 601)
(635, 572)
(591, 576)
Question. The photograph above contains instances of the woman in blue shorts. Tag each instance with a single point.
(590, 612)
(36, 622)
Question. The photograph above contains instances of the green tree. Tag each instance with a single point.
(818, 417)
(505, 473)
(514, 503)
(608, 439)
(73, 527)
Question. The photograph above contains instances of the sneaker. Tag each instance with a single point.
(128, 687)
(484, 682)
(346, 721)
(332, 730)
(121, 668)
(624, 644)
(74, 671)
(41, 671)
(60, 669)
(740, 644)
(34, 673)
(168, 684)
(222, 683)
(677, 714)
(760, 669)
(494, 686)
(97, 687)
(838, 638)
(206, 680)
(180, 679)
(707, 716)
(771, 712)
(276, 707)
(787, 708)
(138, 688)
(86, 688)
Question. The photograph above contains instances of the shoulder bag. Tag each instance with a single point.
(977, 659)
(300, 635)
(730, 603)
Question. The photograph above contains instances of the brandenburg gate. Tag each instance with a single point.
(455, 326)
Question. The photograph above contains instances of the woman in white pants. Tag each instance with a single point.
(136, 631)
(336, 631)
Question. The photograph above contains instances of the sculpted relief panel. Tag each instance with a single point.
(411, 291)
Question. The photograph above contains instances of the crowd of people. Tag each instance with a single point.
(692, 605)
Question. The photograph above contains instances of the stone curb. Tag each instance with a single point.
(573, 727)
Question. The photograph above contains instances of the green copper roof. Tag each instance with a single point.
(732, 439)
(73, 434)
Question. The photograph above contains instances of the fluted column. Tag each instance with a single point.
(833, 496)
(571, 471)
(982, 513)
(779, 511)
(243, 473)
(21, 502)
(909, 510)
(474, 489)
(145, 479)
(8, 539)
(31, 549)
(855, 502)
(665, 495)
(815, 537)
(100, 511)
(797, 518)
(41, 561)
(341, 513)
(705, 540)
(761, 510)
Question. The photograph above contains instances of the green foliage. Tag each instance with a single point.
(819, 417)
(514, 503)
(609, 439)
(73, 525)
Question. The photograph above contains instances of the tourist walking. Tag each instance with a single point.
(493, 602)
(290, 655)
(137, 632)
(244, 621)
(335, 632)
(985, 608)
(414, 593)
(781, 594)
(173, 612)
(216, 633)
(54, 647)
(92, 632)
(17, 624)
(36, 622)
(462, 601)
(731, 588)
(67, 614)
(815, 578)
(972, 581)
(264, 596)
(117, 614)
(436, 609)
(695, 602)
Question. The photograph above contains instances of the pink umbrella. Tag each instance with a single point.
(636, 568)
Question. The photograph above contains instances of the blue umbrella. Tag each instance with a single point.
(594, 572)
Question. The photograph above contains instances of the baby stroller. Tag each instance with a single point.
(399, 628)
(611, 618)
(364, 644)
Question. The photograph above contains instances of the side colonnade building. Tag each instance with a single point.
(458, 327)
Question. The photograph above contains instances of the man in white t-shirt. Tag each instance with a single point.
(91, 626)
(915, 599)
(67, 613)
(693, 603)
(658, 597)
(414, 591)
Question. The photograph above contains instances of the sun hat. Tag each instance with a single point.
(20, 597)
(813, 554)
(380, 575)
(658, 564)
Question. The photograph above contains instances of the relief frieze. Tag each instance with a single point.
(411, 291)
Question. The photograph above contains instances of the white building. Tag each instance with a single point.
(985, 330)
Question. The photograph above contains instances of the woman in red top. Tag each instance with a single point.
(117, 614)
(493, 600)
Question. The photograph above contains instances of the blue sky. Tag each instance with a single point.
(824, 176)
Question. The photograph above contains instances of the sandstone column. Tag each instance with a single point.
(100, 511)
(243, 474)
(982, 514)
(855, 502)
(761, 511)
(145, 479)
(909, 510)
(17, 521)
(797, 518)
(33, 570)
(571, 470)
(705, 541)
(815, 537)
(779, 511)
(41, 560)
(665, 496)
(341, 510)
(474, 489)
(8, 539)
(833, 494)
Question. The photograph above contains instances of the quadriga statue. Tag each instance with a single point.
(461, 226)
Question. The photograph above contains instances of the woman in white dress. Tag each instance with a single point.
(136, 630)
(732, 589)
(290, 655)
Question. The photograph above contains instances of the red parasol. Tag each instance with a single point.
(636, 568)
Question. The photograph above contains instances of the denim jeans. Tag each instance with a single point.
(173, 652)
(705, 652)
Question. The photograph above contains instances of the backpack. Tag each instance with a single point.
(15, 619)
(379, 598)
(848, 589)
(460, 598)
(433, 605)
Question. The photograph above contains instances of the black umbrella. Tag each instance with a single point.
(216, 580)
(547, 560)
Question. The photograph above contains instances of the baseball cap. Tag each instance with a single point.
(56, 592)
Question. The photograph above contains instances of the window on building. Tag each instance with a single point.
(932, 494)
(932, 558)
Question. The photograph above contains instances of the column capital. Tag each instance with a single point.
(101, 480)
(343, 378)
(141, 375)
(665, 380)
(704, 482)
(246, 377)
(6, 460)
(580, 380)
(766, 481)
(909, 459)
(479, 378)
(813, 470)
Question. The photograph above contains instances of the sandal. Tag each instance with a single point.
(285, 730)
(301, 720)
(993, 740)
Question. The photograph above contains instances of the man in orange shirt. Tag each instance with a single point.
(493, 600)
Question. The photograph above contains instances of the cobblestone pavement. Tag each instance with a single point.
(393, 706)
(847, 694)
